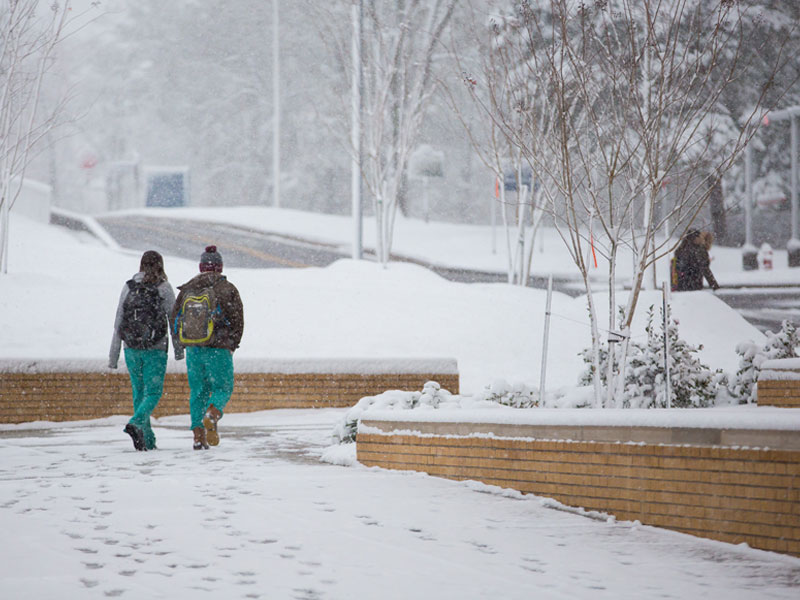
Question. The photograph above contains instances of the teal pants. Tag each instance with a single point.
(210, 373)
(147, 369)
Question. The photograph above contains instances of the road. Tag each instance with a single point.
(251, 248)
(765, 308)
(241, 247)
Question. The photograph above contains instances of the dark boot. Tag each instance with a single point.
(200, 442)
(213, 414)
(137, 435)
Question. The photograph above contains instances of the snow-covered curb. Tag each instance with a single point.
(780, 369)
(782, 364)
(744, 417)
(366, 366)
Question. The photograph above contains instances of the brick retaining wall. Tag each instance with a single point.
(732, 494)
(50, 394)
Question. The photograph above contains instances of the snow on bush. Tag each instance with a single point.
(693, 384)
(515, 396)
(434, 397)
(783, 344)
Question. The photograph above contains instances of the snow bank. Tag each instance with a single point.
(703, 320)
(59, 298)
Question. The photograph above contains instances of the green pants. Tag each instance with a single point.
(147, 369)
(210, 373)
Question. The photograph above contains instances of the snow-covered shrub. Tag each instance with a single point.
(517, 395)
(783, 344)
(431, 396)
(693, 384)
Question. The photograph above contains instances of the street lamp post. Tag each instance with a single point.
(749, 254)
(792, 113)
(357, 93)
(276, 108)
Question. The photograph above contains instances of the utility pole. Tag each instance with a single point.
(357, 93)
(792, 114)
(276, 108)
(749, 254)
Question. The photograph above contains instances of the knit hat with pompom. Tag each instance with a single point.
(211, 260)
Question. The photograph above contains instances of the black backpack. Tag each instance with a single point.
(144, 321)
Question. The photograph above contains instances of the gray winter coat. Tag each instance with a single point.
(167, 301)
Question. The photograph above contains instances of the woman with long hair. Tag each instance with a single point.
(693, 263)
(141, 325)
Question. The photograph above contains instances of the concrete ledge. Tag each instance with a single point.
(752, 438)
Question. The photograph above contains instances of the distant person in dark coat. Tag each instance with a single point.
(692, 261)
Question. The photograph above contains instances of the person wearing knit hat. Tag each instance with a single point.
(211, 261)
(141, 324)
(208, 321)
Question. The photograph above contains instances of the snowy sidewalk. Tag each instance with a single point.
(85, 516)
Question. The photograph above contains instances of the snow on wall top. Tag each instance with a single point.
(744, 417)
(364, 366)
(782, 364)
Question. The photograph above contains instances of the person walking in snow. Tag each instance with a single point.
(141, 324)
(692, 261)
(208, 320)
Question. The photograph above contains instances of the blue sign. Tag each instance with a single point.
(166, 189)
(510, 179)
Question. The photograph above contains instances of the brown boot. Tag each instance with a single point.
(213, 414)
(200, 442)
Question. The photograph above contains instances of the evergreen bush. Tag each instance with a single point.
(783, 344)
(693, 384)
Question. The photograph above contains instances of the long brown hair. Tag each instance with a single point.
(152, 265)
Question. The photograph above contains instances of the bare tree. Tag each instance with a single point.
(629, 100)
(398, 60)
(399, 56)
(488, 75)
(29, 34)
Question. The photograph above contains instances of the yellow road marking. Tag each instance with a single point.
(235, 247)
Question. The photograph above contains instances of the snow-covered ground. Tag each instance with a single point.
(84, 516)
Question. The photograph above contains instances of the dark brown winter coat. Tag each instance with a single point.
(229, 328)
(693, 263)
